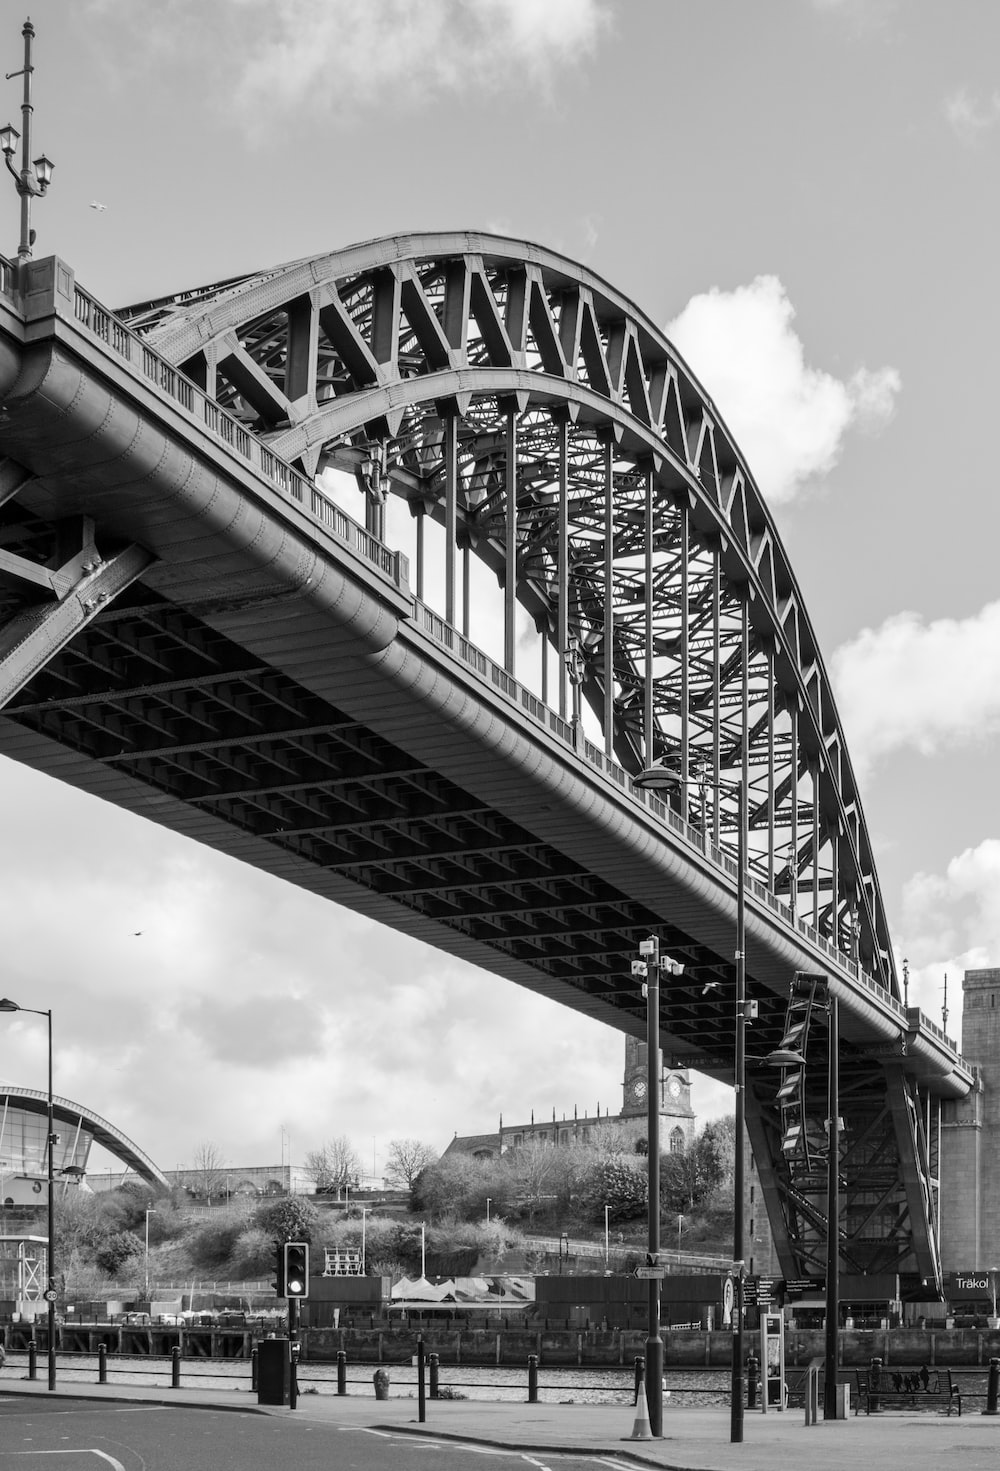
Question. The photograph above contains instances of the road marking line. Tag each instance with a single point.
(83, 1450)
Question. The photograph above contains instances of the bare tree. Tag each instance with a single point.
(534, 1169)
(407, 1157)
(334, 1166)
(209, 1171)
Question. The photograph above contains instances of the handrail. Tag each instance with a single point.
(444, 634)
(226, 427)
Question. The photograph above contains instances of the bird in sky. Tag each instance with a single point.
(96, 204)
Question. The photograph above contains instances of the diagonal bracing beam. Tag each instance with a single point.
(33, 635)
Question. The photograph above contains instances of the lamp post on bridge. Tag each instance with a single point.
(34, 177)
(658, 778)
(50, 1288)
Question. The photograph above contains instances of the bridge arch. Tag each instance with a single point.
(545, 423)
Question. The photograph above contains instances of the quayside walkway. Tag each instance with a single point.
(696, 1439)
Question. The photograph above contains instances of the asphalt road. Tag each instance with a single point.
(77, 1435)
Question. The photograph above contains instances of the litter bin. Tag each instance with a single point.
(274, 1371)
(381, 1381)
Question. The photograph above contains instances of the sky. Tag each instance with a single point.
(803, 193)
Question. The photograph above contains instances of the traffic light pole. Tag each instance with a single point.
(293, 1349)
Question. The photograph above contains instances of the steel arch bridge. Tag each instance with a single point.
(193, 628)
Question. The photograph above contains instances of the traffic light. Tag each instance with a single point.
(295, 1269)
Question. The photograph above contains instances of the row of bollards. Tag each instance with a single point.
(431, 1364)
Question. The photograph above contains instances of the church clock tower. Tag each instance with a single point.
(675, 1089)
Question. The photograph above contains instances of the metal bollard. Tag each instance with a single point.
(875, 1387)
(253, 1371)
(640, 1376)
(812, 1396)
(532, 1379)
(175, 1368)
(341, 1371)
(102, 1363)
(993, 1389)
(433, 1360)
(753, 1380)
(421, 1389)
(32, 1359)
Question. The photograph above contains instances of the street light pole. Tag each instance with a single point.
(657, 778)
(150, 1211)
(739, 1233)
(50, 1290)
(650, 952)
(832, 1215)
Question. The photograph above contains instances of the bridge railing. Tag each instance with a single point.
(474, 658)
(226, 427)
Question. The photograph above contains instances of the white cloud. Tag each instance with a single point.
(951, 921)
(270, 63)
(789, 419)
(922, 686)
(970, 118)
(363, 53)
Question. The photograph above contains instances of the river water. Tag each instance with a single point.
(555, 1386)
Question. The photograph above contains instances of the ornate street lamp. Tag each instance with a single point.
(33, 177)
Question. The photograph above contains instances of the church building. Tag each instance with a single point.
(677, 1118)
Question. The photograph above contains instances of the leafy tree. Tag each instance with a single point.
(213, 1241)
(292, 1219)
(717, 1147)
(458, 1184)
(117, 1250)
(334, 1166)
(691, 1179)
(616, 1184)
(407, 1157)
(252, 1253)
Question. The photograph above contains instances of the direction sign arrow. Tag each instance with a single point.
(650, 1271)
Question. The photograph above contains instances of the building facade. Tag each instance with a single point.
(677, 1118)
(970, 1137)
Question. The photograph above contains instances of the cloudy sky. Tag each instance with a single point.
(804, 193)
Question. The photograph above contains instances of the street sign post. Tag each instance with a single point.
(647, 1272)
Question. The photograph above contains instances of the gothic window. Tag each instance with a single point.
(677, 1141)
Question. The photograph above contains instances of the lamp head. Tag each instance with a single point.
(43, 172)
(785, 1057)
(8, 139)
(7, 1005)
(656, 778)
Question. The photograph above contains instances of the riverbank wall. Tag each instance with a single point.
(508, 1347)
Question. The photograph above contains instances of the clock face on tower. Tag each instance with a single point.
(674, 1087)
(638, 1090)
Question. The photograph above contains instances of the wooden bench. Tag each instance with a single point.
(907, 1389)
